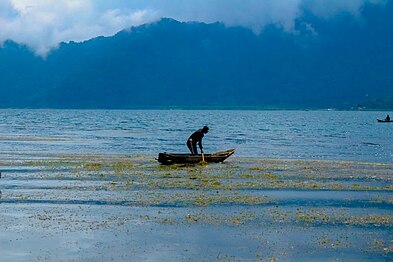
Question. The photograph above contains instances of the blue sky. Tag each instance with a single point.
(43, 24)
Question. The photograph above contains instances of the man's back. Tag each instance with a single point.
(195, 138)
(197, 135)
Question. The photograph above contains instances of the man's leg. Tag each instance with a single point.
(189, 145)
(194, 148)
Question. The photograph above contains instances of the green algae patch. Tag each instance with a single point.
(241, 219)
(123, 165)
(52, 163)
(203, 200)
(312, 216)
(201, 217)
(325, 241)
(375, 220)
(316, 216)
(34, 138)
(93, 166)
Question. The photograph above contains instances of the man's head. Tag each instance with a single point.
(205, 129)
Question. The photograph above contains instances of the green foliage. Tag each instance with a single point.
(380, 103)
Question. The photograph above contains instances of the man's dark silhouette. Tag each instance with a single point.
(387, 118)
(195, 138)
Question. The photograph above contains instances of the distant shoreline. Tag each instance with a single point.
(203, 108)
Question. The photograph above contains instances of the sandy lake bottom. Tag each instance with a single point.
(59, 207)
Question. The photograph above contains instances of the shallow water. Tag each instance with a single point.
(81, 185)
(99, 207)
(339, 135)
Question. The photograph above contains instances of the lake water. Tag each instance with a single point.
(330, 135)
(101, 201)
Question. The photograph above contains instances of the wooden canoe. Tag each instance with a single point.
(169, 159)
(384, 121)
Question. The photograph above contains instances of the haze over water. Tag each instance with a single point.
(325, 135)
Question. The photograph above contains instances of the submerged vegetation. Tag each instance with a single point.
(304, 197)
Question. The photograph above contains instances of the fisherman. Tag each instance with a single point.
(195, 138)
(387, 118)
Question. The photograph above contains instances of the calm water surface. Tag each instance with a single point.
(329, 135)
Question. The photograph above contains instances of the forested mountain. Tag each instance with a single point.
(337, 62)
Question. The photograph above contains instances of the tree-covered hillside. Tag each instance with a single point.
(339, 62)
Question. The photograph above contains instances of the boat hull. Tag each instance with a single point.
(384, 121)
(169, 159)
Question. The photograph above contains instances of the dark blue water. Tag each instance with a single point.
(341, 135)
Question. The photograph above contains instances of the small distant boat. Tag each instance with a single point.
(218, 157)
(385, 121)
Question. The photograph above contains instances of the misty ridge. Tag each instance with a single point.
(342, 63)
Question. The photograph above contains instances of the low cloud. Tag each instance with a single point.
(43, 24)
